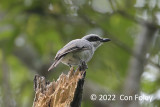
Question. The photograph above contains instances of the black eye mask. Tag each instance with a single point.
(94, 38)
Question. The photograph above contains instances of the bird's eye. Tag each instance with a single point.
(94, 39)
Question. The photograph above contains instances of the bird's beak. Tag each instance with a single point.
(105, 40)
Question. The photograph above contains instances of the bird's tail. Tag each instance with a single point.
(55, 63)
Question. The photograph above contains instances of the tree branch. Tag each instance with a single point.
(136, 67)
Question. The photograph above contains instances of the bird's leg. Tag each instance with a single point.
(83, 66)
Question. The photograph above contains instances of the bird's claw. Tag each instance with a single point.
(83, 66)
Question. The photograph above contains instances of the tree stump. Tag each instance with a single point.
(65, 92)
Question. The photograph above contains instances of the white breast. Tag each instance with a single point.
(75, 58)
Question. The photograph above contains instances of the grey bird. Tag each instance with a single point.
(78, 51)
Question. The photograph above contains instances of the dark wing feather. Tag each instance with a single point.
(60, 55)
(71, 46)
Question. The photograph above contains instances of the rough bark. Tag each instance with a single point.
(65, 92)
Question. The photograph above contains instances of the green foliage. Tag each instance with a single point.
(39, 28)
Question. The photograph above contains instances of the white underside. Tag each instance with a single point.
(75, 58)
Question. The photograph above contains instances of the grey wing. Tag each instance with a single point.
(75, 45)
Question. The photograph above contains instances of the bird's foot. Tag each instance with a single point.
(83, 66)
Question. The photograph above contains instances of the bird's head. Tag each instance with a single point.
(95, 40)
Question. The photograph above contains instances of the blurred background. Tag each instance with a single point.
(32, 31)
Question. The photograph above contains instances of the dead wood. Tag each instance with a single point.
(65, 92)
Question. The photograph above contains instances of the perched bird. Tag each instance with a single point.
(78, 51)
